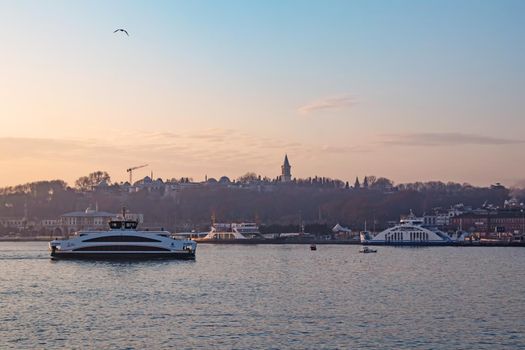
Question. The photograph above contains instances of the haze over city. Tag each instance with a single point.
(423, 91)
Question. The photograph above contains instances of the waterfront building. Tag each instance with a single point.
(286, 174)
(492, 224)
(90, 219)
(441, 218)
(50, 223)
(341, 232)
(13, 222)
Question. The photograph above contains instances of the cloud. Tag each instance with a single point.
(445, 139)
(327, 104)
(21, 148)
(331, 149)
(181, 149)
(188, 152)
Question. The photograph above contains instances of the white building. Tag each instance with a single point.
(90, 219)
(50, 223)
(13, 222)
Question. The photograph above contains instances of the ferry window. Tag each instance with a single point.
(130, 224)
(121, 239)
(106, 248)
(115, 224)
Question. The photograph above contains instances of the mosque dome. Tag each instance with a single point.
(224, 180)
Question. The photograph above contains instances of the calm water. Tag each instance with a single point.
(249, 297)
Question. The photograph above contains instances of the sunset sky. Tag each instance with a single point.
(409, 90)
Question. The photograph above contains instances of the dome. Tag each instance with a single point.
(224, 180)
(211, 180)
(144, 181)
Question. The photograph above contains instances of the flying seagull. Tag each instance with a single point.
(121, 30)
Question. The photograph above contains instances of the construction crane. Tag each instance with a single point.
(130, 171)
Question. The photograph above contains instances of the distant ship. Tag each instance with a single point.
(122, 241)
(248, 233)
(233, 231)
(410, 231)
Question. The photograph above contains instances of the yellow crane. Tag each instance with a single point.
(130, 171)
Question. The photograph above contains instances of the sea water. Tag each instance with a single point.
(267, 297)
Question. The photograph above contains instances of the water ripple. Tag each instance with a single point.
(266, 297)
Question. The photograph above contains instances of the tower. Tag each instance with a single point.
(286, 175)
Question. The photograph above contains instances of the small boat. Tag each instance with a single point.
(313, 247)
(367, 250)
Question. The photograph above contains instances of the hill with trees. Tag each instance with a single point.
(182, 204)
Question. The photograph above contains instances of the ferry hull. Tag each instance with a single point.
(418, 244)
(123, 256)
(275, 241)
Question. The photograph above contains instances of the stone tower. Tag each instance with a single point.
(286, 175)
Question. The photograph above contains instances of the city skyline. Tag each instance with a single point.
(139, 175)
(408, 90)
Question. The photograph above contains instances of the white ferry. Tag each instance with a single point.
(233, 231)
(122, 241)
(410, 231)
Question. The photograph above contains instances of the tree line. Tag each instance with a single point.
(316, 200)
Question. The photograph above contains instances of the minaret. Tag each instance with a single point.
(286, 175)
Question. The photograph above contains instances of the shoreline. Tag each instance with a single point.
(307, 242)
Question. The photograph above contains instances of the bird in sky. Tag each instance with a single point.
(121, 30)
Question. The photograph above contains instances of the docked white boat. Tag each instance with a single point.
(410, 231)
(233, 231)
(123, 241)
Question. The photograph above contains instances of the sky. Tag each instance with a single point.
(409, 90)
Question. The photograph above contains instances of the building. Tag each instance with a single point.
(89, 219)
(13, 222)
(442, 217)
(286, 174)
(344, 233)
(50, 223)
(492, 224)
(147, 183)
